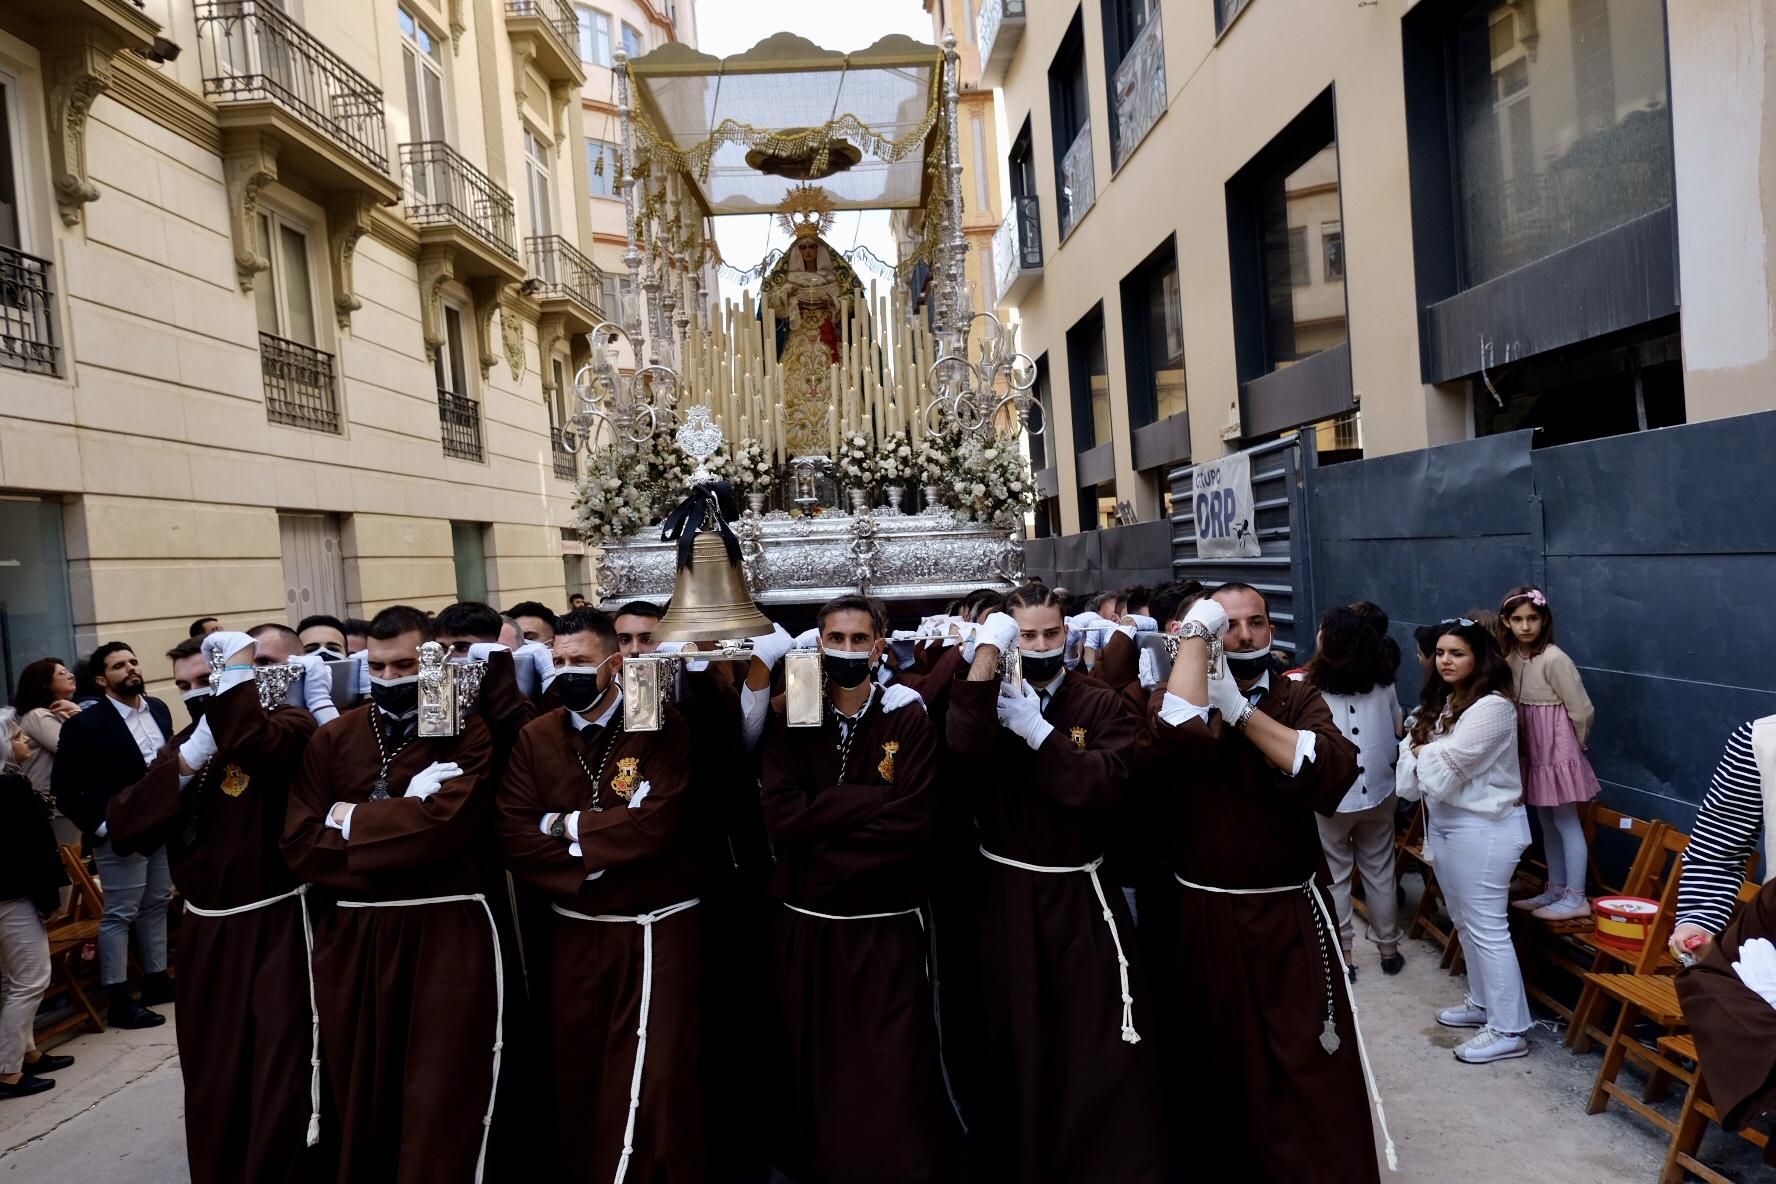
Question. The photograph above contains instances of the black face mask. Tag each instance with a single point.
(197, 705)
(397, 697)
(1041, 668)
(578, 690)
(1244, 666)
(845, 670)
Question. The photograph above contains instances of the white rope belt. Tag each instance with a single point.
(1324, 927)
(647, 921)
(930, 931)
(499, 993)
(1129, 1035)
(314, 1012)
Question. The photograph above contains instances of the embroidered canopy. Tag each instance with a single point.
(746, 129)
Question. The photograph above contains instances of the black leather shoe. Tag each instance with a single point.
(157, 988)
(48, 1063)
(127, 1013)
(25, 1086)
(1393, 963)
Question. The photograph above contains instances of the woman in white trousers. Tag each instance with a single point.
(1460, 758)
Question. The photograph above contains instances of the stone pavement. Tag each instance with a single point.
(117, 1115)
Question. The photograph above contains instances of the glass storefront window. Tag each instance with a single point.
(1563, 125)
(36, 615)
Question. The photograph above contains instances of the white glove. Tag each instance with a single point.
(807, 639)
(425, 783)
(1142, 623)
(1022, 714)
(1225, 695)
(1000, 630)
(225, 647)
(1756, 968)
(479, 650)
(199, 747)
(769, 648)
(317, 687)
(533, 663)
(1208, 613)
(898, 695)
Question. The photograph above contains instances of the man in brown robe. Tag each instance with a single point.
(606, 821)
(1068, 1089)
(1729, 1001)
(408, 972)
(851, 808)
(1245, 761)
(216, 799)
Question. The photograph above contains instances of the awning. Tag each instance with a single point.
(745, 129)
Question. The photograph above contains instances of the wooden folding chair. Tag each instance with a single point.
(1551, 950)
(1692, 1121)
(69, 932)
(1659, 878)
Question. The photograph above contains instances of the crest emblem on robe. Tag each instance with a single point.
(886, 766)
(628, 776)
(1078, 735)
(234, 781)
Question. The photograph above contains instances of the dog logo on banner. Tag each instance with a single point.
(628, 774)
(886, 765)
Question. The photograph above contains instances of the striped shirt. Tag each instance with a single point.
(1726, 831)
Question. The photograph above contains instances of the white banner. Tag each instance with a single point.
(1226, 521)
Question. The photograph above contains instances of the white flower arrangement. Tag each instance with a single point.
(856, 462)
(990, 481)
(936, 459)
(612, 503)
(754, 468)
(895, 462)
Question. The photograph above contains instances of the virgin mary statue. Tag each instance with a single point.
(812, 292)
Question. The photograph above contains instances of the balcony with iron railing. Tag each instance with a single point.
(27, 333)
(301, 386)
(547, 32)
(998, 29)
(269, 75)
(1017, 249)
(1138, 91)
(454, 203)
(566, 461)
(1079, 183)
(459, 423)
(568, 282)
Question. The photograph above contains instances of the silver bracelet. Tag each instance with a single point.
(1239, 724)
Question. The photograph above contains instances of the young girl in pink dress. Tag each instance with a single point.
(1553, 719)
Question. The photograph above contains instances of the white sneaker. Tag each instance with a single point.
(1540, 900)
(1569, 906)
(1488, 1045)
(1469, 1015)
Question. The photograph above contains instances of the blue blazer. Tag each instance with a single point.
(96, 759)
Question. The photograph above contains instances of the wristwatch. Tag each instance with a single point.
(558, 828)
(1196, 629)
(1239, 724)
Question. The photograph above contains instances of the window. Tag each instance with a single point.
(1332, 250)
(27, 340)
(459, 414)
(1134, 71)
(284, 293)
(595, 36)
(1040, 444)
(602, 167)
(300, 385)
(1070, 114)
(1022, 164)
(468, 547)
(1089, 373)
(1630, 381)
(610, 298)
(565, 466)
(422, 68)
(633, 45)
(36, 611)
(1226, 10)
(1153, 338)
(1552, 148)
(1304, 314)
(536, 179)
(1298, 276)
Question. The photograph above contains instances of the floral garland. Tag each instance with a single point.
(894, 461)
(857, 461)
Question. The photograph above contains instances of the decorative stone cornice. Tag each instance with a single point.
(458, 26)
(515, 309)
(487, 291)
(560, 95)
(348, 220)
(249, 163)
(160, 99)
(74, 76)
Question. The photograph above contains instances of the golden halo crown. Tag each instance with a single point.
(806, 211)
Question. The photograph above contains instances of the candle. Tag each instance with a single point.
(832, 427)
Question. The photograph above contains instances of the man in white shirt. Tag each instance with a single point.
(102, 752)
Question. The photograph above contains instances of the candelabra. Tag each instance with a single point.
(631, 409)
(993, 391)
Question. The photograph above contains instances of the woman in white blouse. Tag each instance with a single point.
(1461, 758)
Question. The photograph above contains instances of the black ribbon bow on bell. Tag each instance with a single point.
(717, 501)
